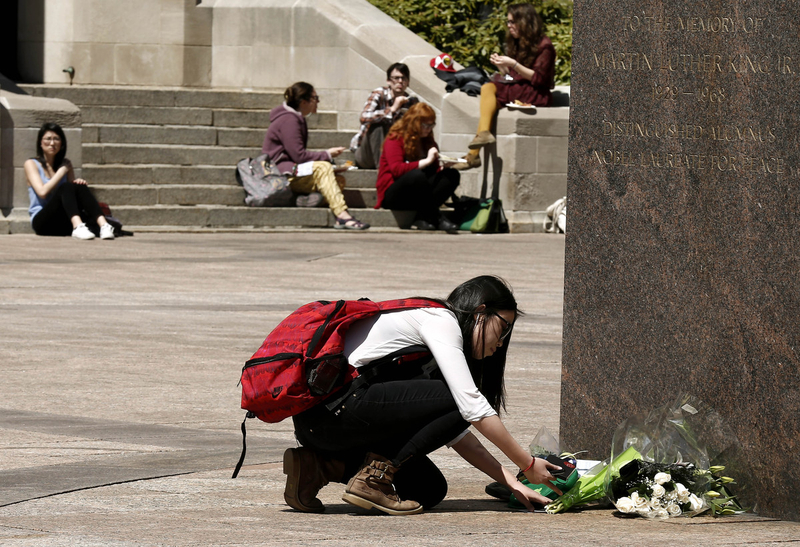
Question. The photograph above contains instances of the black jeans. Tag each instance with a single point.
(399, 420)
(67, 201)
(423, 191)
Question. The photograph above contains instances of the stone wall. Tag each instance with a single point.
(148, 42)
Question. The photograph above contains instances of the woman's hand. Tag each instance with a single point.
(80, 181)
(433, 154)
(540, 474)
(527, 496)
(502, 62)
(335, 151)
(471, 449)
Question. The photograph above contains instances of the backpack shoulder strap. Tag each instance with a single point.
(376, 368)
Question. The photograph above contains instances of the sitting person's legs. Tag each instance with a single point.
(401, 422)
(69, 206)
(420, 480)
(54, 219)
(368, 154)
(417, 191)
(323, 180)
(488, 108)
(443, 185)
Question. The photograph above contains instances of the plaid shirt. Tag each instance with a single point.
(378, 108)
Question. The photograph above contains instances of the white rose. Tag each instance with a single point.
(625, 505)
(673, 509)
(672, 495)
(695, 503)
(655, 503)
(662, 478)
(682, 492)
(658, 491)
(660, 513)
(640, 502)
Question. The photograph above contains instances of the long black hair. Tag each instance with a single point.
(495, 294)
(62, 153)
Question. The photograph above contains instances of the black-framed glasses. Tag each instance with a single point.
(398, 79)
(315, 98)
(507, 327)
(428, 125)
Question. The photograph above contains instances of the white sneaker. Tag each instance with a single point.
(106, 231)
(82, 232)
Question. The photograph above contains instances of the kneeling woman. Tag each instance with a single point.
(379, 439)
(60, 204)
(409, 176)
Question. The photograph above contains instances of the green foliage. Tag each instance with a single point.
(470, 31)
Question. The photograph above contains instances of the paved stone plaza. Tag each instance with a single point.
(119, 418)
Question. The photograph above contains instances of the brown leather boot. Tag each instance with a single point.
(306, 474)
(372, 487)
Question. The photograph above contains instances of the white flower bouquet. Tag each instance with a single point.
(656, 490)
(674, 476)
(660, 465)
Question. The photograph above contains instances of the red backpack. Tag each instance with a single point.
(301, 363)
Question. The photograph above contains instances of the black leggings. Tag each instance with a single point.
(67, 201)
(403, 421)
(423, 191)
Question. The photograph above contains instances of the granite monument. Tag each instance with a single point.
(681, 269)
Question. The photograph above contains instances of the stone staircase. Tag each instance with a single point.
(165, 158)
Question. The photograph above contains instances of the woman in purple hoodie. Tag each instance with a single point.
(285, 143)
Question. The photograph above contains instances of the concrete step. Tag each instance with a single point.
(158, 96)
(128, 133)
(147, 115)
(168, 194)
(216, 117)
(124, 174)
(180, 154)
(360, 198)
(149, 134)
(361, 178)
(220, 216)
(171, 154)
(201, 194)
(114, 174)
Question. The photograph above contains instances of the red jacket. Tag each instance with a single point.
(393, 165)
(287, 138)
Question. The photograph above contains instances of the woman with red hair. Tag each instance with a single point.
(410, 177)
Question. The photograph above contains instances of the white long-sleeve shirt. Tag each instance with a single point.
(436, 328)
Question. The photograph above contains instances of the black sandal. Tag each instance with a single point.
(350, 224)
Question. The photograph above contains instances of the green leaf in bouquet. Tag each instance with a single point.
(592, 487)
